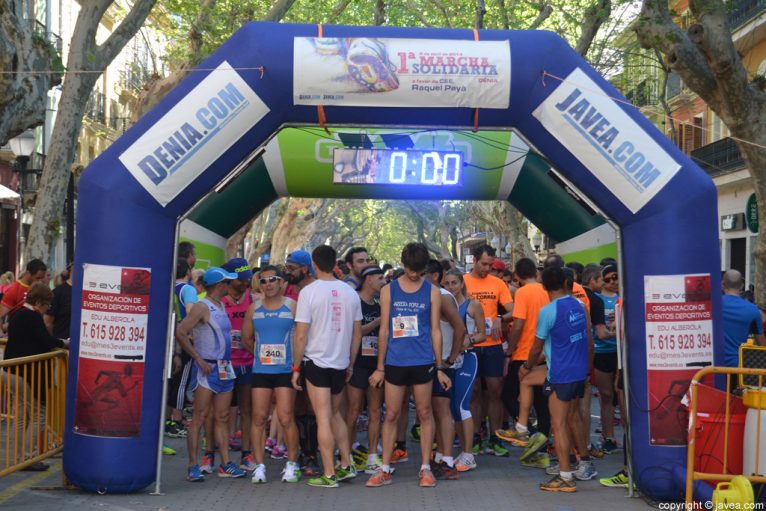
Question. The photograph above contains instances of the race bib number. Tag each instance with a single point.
(225, 370)
(369, 345)
(236, 340)
(405, 326)
(488, 326)
(273, 354)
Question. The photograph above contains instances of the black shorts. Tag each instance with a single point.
(438, 390)
(491, 360)
(334, 379)
(271, 381)
(605, 362)
(363, 369)
(404, 376)
(565, 391)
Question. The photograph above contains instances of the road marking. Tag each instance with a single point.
(17, 488)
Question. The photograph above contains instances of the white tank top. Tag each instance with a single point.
(446, 328)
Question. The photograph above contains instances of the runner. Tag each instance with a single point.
(409, 343)
(529, 300)
(605, 358)
(356, 259)
(237, 302)
(562, 332)
(592, 282)
(328, 332)
(209, 325)
(14, 295)
(453, 336)
(359, 387)
(491, 292)
(267, 334)
(465, 370)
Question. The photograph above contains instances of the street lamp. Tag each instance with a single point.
(22, 147)
(537, 240)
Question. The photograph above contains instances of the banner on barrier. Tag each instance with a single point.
(401, 72)
(679, 341)
(113, 330)
(611, 145)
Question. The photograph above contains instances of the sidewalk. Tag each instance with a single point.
(498, 484)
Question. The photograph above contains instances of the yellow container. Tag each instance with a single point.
(738, 491)
(755, 398)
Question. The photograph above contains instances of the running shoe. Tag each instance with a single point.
(436, 470)
(344, 474)
(194, 475)
(427, 479)
(496, 449)
(560, 485)
(270, 444)
(619, 480)
(167, 450)
(517, 438)
(595, 452)
(230, 470)
(415, 432)
(536, 442)
(449, 473)
(360, 452)
(174, 430)
(279, 452)
(553, 470)
(609, 446)
(259, 474)
(372, 468)
(585, 471)
(310, 466)
(478, 447)
(399, 456)
(248, 462)
(208, 461)
(537, 460)
(379, 478)
(465, 462)
(291, 473)
(324, 481)
(235, 442)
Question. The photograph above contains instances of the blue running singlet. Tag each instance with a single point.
(409, 340)
(273, 339)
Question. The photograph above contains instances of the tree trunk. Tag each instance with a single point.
(481, 10)
(380, 12)
(27, 61)
(86, 55)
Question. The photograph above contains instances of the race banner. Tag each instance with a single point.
(115, 312)
(401, 72)
(679, 341)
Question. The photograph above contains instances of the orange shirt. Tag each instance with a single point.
(530, 298)
(489, 292)
(579, 292)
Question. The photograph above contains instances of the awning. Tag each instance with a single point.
(6, 193)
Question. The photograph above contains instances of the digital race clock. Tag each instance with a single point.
(397, 167)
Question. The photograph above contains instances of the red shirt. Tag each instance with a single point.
(14, 296)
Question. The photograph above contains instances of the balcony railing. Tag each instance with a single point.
(719, 157)
(134, 78)
(743, 11)
(116, 122)
(95, 109)
(41, 30)
(643, 94)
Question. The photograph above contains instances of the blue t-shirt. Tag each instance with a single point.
(563, 326)
(185, 294)
(273, 340)
(740, 319)
(409, 340)
(608, 345)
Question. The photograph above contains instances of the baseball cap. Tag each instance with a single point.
(215, 275)
(239, 266)
(497, 264)
(301, 258)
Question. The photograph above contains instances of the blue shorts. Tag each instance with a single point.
(491, 360)
(462, 388)
(244, 375)
(438, 390)
(212, 382)
(565, 391)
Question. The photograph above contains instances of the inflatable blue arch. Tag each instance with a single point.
(284, 110)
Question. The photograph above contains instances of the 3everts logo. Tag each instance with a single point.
(193, 134)
(103, 285)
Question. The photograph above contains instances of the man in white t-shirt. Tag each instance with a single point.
(328, 333)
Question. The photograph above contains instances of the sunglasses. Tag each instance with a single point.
(269, 280)
(609, 280)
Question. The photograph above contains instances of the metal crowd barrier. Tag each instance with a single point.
(691, 474)
(32, 404)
